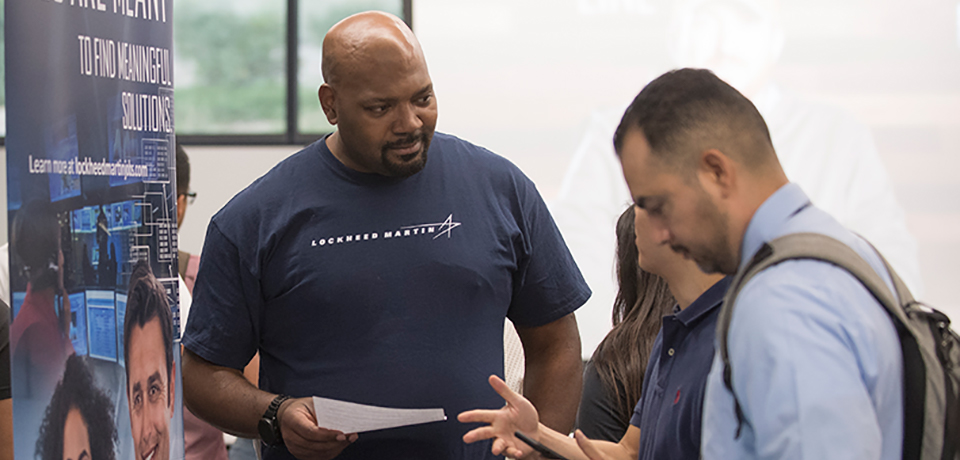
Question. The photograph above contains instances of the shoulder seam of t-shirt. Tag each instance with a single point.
(233, 244)
(570, 304)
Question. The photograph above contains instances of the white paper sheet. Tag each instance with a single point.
(351, 417)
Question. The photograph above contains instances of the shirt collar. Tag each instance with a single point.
(770, 217)
(710, 299)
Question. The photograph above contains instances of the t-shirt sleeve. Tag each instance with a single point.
(548, 284)
(224, 318)
(599, 414)
(4, 350)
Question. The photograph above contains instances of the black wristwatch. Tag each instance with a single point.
(269, 425)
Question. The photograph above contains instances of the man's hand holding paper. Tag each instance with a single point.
(304, 438)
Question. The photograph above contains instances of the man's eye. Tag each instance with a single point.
(425, 100)
(378, 108)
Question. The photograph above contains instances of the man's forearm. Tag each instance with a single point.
(553, 377)
(6, 429)
(222, 396)
(554, 389)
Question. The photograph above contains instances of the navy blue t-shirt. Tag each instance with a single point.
(379, 290)
(670, 409)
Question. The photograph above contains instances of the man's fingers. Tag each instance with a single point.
(308, 431)
(302, 445)
(347, 437)
(325, 450)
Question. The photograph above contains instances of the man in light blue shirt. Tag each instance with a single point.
(816, 361)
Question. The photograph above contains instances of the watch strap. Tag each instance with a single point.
(271, 415)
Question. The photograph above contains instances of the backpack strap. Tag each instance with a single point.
(824, 248)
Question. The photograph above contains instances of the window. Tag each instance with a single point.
(316, 18)
(234, 82)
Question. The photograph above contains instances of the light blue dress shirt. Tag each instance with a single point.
(816, 361)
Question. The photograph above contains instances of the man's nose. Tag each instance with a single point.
(408, 119)
(661, 234)
(145, 430)
(151, 416)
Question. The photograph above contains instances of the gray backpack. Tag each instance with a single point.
(931, 351)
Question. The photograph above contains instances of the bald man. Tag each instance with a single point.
(377, 266)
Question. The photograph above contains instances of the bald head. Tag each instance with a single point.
(379, 95)
(365, 42)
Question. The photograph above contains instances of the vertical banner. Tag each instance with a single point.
(95, 334)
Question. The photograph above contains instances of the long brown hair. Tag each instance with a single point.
(642, 301)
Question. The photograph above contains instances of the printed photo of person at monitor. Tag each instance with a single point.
(39, 334)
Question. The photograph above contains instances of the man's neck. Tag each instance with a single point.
(335, 144)
(762, 190)
(690, 284)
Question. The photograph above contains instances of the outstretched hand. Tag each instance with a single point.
(517, 415)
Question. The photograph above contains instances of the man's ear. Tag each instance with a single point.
(181, 208)
(172, 389)
(717, 173)
(328, 98)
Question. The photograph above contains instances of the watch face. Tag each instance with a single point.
(267, 433)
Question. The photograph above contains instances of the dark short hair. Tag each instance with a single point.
(146, 301)
(694, 105)
(183, 171)
(77, 390)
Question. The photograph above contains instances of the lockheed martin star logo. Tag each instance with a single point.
(410, 231)
(444, 227)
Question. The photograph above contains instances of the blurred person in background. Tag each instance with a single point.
(825, 149)
(201, 441)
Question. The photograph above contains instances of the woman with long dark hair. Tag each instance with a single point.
(613, 378)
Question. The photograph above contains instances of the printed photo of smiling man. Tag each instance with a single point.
(148, 353)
